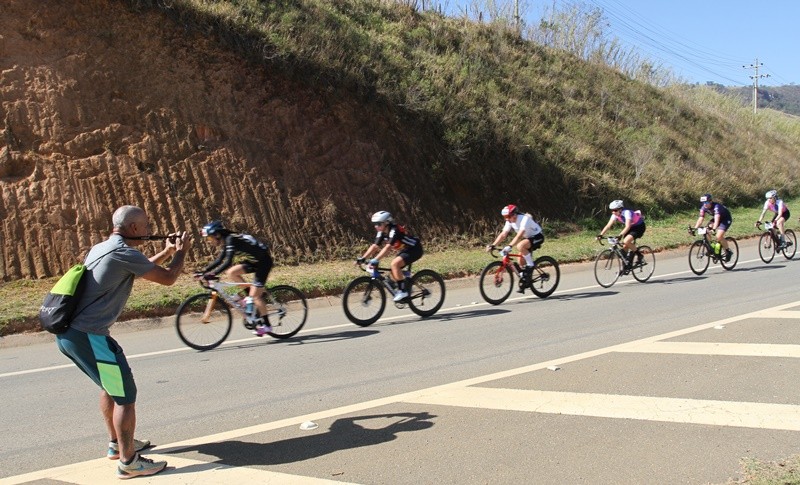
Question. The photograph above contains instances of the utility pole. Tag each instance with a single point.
(755, 77)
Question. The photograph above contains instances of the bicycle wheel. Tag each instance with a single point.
(286, 310)
(766, 250)
(791, 244)
(496, 282)
(364, 301)
(698, 258)
(427, 293)
(203, 322)
(607, 267)
(545, 276)
(645, 264)
(734, 247)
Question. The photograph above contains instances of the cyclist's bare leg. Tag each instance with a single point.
(629, 244)
(779, 222)
(524, 248)
(397, 269)
(236, 273)
(721, 238)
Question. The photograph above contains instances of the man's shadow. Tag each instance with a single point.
(344, 433)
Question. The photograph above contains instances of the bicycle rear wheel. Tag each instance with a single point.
(545, 276)
(287, 310)
(203, 321)
(645, 264)
(733, 246)
(698, 258)
(496, 283)
(607, 268)
(427, 293)
(364, 301)
(791, 244)
(766, 250)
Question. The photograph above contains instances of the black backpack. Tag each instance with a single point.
(60, 305)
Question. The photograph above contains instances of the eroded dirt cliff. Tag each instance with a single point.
(102, 106)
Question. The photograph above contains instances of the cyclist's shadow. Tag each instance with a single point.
(344, 433)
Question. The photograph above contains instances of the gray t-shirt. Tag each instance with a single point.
(108, 284)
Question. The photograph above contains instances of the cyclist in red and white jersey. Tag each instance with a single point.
(633, 230)
(529, 237)
(781, 210)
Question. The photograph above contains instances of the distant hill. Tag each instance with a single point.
(779, 98)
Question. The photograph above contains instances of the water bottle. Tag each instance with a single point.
(249, 306)
(717, 247)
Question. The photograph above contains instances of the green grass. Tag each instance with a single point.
(20, 300)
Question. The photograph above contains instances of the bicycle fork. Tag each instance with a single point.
(209, 307)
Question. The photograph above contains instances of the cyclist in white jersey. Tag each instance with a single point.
(528, 238)
(633, 220)
(781, 210)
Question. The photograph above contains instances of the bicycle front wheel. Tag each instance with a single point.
(496, 283)
(791, 244)
(364, 301)
(698, 258)
(427, 293)
(545, 276)
(607, 267)
(645, 264)
(287, 310)
(733, 246)
(766, 250)
(203, 321)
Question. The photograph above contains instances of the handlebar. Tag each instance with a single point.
(612, 240)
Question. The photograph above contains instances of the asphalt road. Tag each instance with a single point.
(463, 397)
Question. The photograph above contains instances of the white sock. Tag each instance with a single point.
(529, 259)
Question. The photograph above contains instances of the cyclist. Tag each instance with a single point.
(261, 264)
(781, 210)
(528, 238)
(393, 236)
(721, 223)
(633, 230)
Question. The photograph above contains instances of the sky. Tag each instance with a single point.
(700, 40)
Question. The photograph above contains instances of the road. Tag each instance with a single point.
(672, 381)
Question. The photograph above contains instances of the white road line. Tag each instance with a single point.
(715, 348)
(687, 411)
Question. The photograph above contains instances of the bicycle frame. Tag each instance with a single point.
(219, 289)
(390, 284)
(706, 233)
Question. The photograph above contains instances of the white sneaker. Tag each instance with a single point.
(400, 296)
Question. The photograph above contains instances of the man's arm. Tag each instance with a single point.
(167, 276)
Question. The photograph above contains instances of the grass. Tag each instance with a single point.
(20, 300)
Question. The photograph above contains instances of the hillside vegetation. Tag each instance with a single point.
(296, 119)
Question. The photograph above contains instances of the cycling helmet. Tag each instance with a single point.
(381, 216)
(509, 210)
(705, 198)
(213, 227)
(615, 204)
(771, 194)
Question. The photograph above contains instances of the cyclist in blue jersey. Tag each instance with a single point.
(260, 264)
(721, 223)
(393, 237)
(782, 214)
(634, 228)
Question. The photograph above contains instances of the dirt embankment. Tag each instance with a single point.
(102, 106)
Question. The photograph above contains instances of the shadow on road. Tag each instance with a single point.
(344, 433)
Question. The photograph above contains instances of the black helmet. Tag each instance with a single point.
(212, 228)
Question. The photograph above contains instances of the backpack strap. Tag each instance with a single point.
(84, 275)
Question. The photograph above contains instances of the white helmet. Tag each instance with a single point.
(615, 204)
(771, 194)
(381, 216)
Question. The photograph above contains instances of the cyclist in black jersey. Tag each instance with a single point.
(260, 264)
(395, 237)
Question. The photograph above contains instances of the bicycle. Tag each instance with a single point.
(770, 243)
(204, 320)
(364, 299)
(497, 278)
(701, 252)
(611, 263)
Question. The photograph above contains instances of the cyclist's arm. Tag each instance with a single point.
(500, 237)
(763, 211)
(627, 227)
(370, 250)
(383, 251)
(699, 221)
(608, 226)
